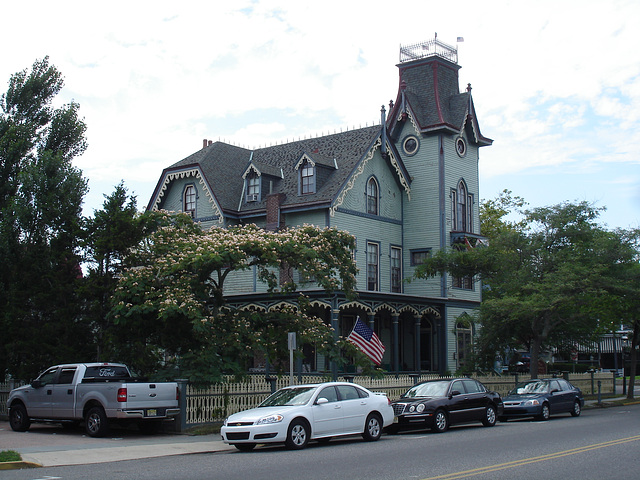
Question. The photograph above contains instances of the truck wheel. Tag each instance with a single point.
(18, 418)
(96, 423)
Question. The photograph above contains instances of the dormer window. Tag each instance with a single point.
(253, 187)
(372, 196)
(307, 178)
(189, 200)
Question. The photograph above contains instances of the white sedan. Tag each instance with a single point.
(294, 415)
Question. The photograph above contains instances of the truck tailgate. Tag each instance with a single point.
(150, 396)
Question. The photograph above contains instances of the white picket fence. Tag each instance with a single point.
(216, 402)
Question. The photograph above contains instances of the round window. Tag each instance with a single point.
(461, 146)
(410, 145)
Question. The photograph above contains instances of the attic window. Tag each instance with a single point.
(253, 187)
(307, 178)
(372, 196)
(189, 200)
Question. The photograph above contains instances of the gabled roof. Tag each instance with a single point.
(222, 167)
(263, 169)
(217, 163)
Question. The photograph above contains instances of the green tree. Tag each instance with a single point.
(623, 306)
(544, 279)
(109, 237)
(41, 196)
(170, 305)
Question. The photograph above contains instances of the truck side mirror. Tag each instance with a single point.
(36, 384)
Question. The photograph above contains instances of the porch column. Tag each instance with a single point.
(371, 317)
(417, 342)
(396, 343)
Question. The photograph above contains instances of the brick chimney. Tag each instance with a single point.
(275, 220)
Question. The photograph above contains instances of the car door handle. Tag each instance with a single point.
(337, 406)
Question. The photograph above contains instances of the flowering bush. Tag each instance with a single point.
(169, 306)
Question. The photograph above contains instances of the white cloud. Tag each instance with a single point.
(555, 84)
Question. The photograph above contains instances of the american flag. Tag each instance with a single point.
(366, 340)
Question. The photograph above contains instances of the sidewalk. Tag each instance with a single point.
(52, 445)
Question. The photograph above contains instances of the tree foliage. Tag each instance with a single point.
(547, 278)
(41, 195)
(108, 238)
(170, 304)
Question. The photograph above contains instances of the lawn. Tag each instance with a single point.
(9, 456)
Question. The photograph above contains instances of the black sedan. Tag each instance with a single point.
(541, 398)
(437, 404)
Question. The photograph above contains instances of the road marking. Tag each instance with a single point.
(527, 461)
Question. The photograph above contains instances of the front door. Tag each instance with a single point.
(40, 398)
(458, 404)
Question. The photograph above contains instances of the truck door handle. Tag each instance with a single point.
(49, 392)
(70, 392)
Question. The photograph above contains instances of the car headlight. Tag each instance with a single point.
(270, 419)
(531, 403)
(420, 408)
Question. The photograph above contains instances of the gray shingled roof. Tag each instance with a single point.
(222, 165)
(429, 90)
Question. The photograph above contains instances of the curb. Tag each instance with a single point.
(18, 465)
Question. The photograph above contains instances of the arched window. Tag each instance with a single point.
(462, 209)
(189, 201)
(372, 196)
(464, 339)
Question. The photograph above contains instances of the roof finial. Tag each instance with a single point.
(469, 87)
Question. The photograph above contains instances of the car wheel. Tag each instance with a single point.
(489, 419)
(372, 428)
(577, 409)
(545, 413)
(297, 435)
(245, 447)
(19, 418)
(440, 422)
(96, 423)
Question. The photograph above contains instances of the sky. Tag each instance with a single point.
(556, 84)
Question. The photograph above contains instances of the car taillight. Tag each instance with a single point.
(177, 393)
(122, 394)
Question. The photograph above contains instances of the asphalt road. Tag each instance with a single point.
(600, 444)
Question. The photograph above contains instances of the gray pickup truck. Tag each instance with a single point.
(95, 394)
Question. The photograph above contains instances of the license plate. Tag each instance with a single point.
(152, 413)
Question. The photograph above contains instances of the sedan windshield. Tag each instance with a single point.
(431, 389)
(289, 396)
(530, 387)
